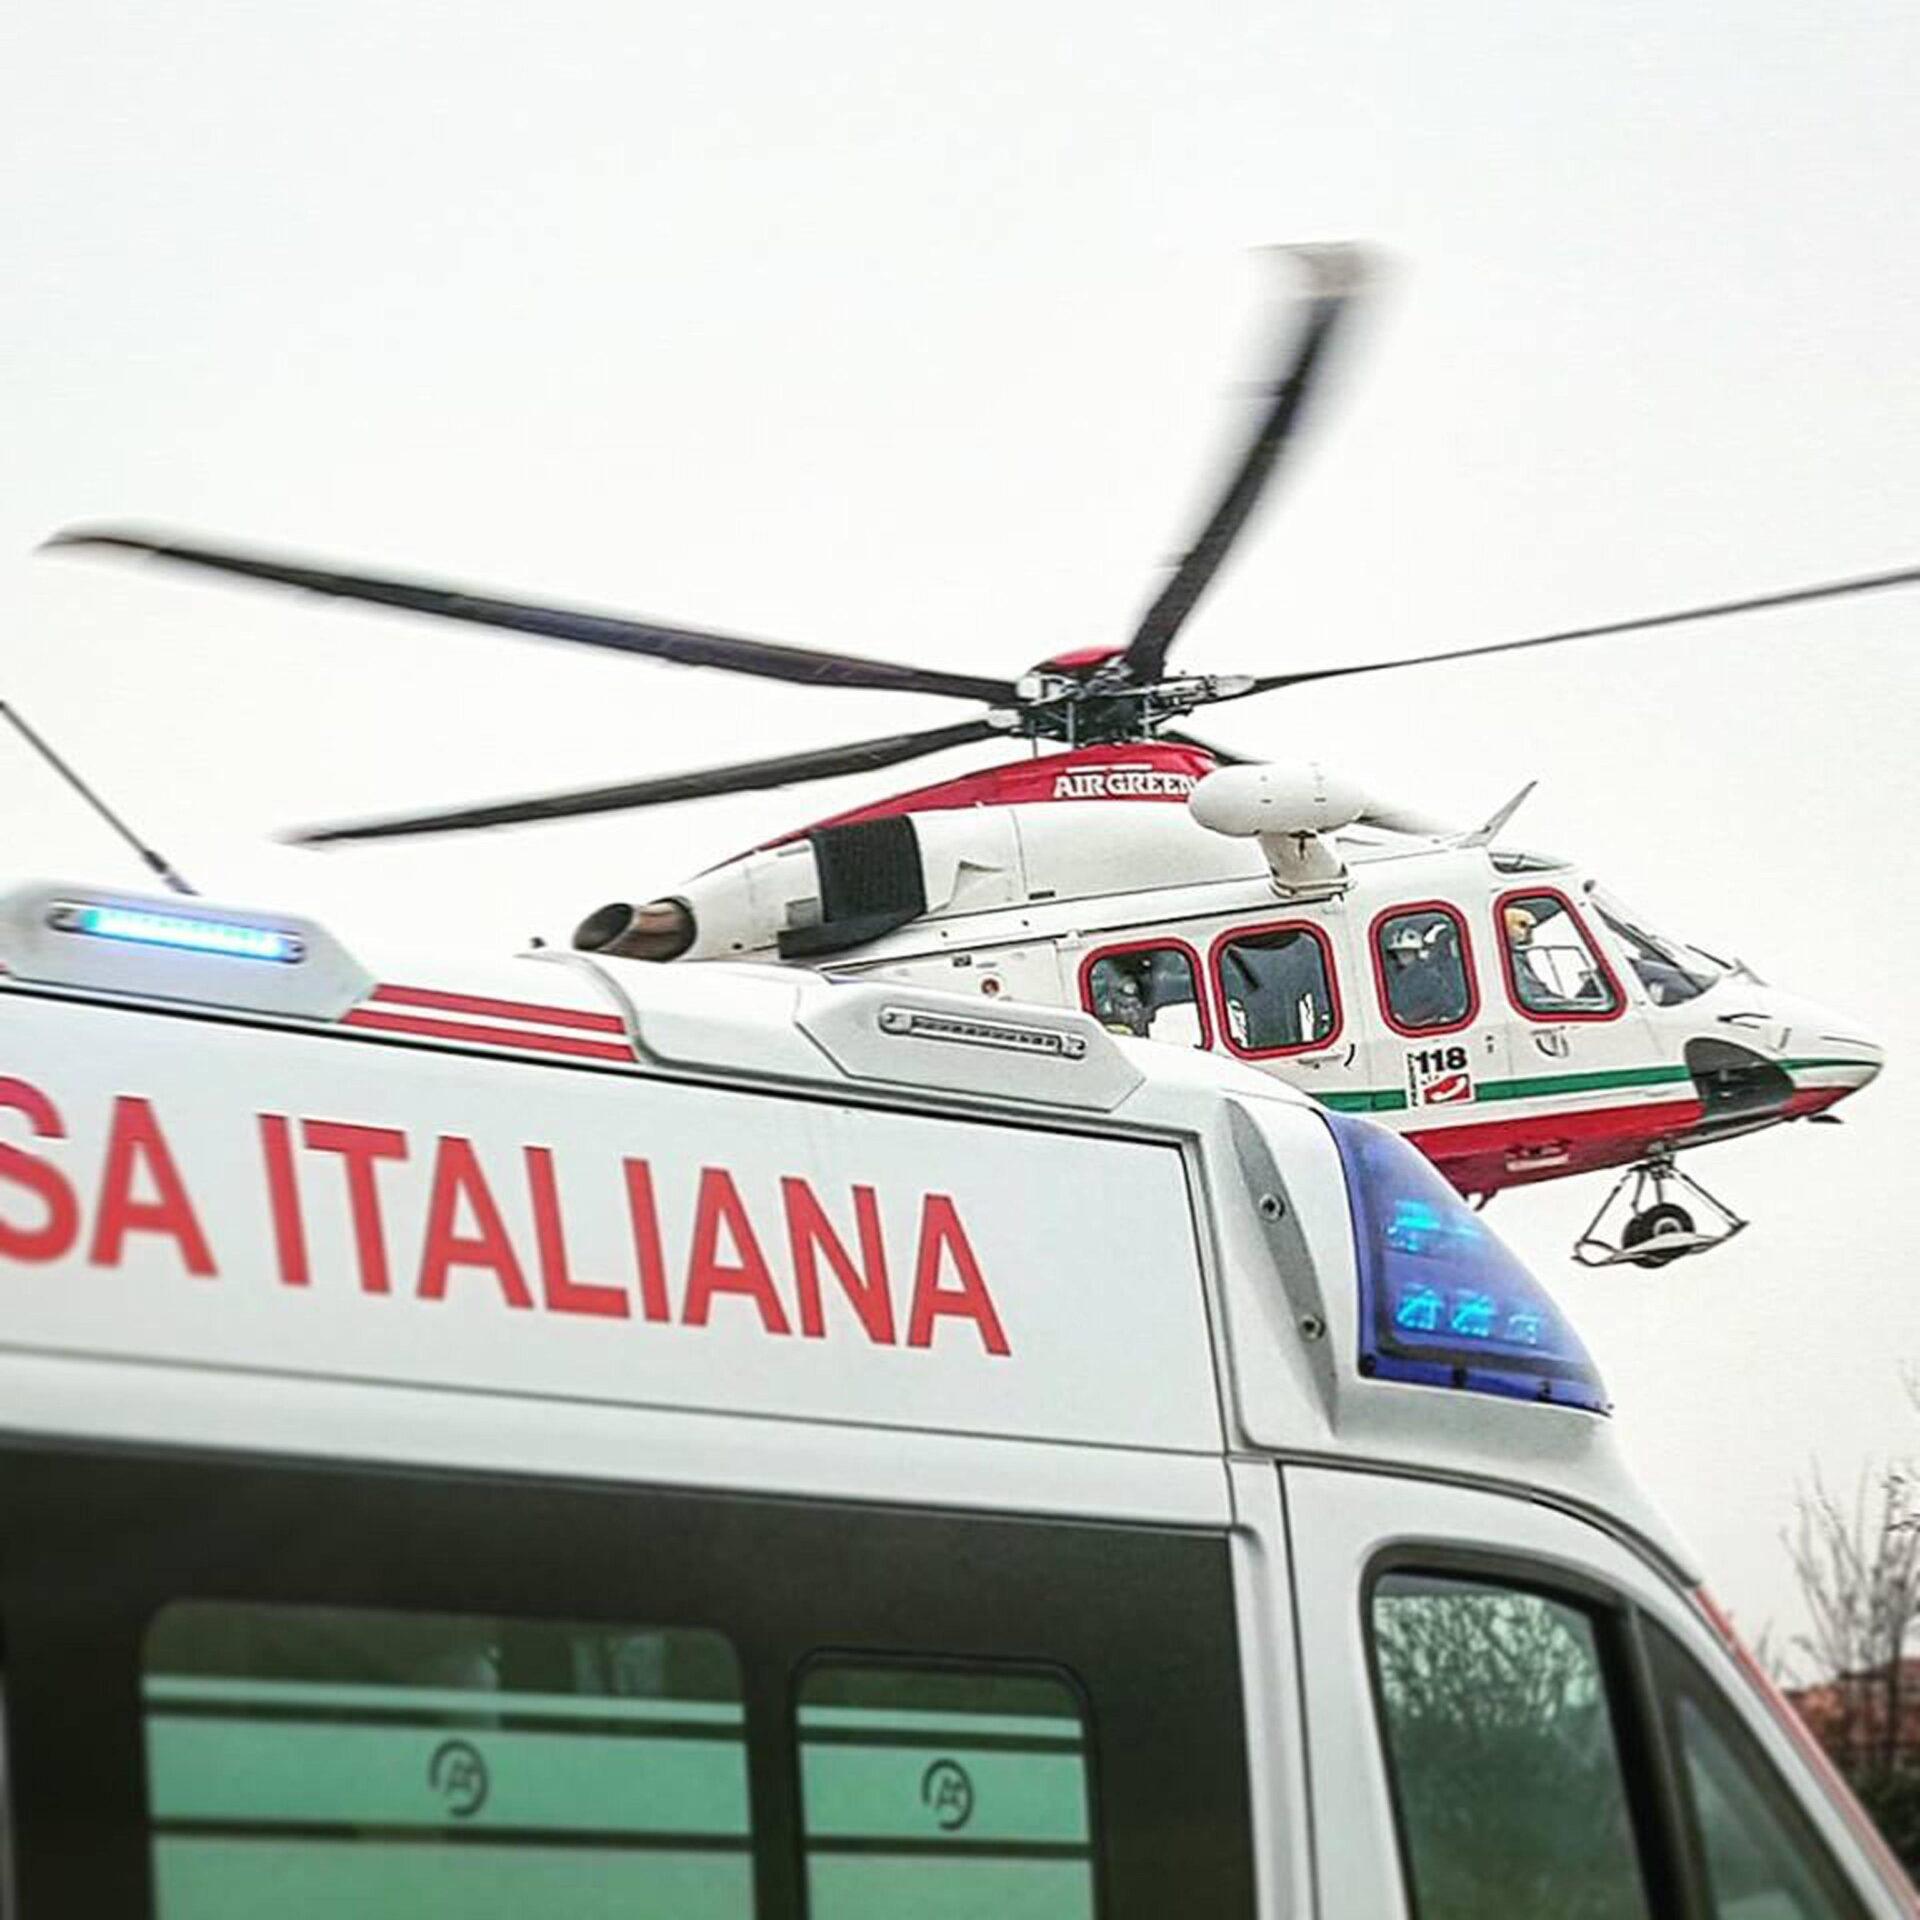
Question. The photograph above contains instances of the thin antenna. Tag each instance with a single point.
(1482, 836)
(157, 862)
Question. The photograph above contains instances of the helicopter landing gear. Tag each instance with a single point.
(1657, 1229)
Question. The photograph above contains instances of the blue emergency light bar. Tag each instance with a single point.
(1442, 1301)
(231, 939)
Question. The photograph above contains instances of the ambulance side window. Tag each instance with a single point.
(312, 1759)
(1277, 989)
(1149, 991)
(1503, 1748)
(1420, 959)
(1755, 1849)
(943, 1790)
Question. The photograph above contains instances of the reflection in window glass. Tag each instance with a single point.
(1502, 1745)
(1423, 969)
(944, 1795)
(1752, 1871)
(308, 1761)
(1552, 964)
(1150, 993)
(1277, 990)
(1760, 1855)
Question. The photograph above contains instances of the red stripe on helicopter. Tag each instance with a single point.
(1150, 770)
(1560, 1129)
(1492, 1154)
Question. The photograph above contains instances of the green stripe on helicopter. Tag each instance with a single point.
(1546, 1085)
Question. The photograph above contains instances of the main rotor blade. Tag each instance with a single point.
(685, 646)
(1759, 603)
(1336, 273)
(787, 769)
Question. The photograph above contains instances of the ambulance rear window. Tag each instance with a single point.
(320, 1760)
(1443, 1302)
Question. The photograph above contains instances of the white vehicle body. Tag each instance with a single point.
(566, 1435)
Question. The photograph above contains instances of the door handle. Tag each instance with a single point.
(1553, 1041)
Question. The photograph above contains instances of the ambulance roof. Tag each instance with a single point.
(965, 1221)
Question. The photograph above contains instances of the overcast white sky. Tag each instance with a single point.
(914, 331)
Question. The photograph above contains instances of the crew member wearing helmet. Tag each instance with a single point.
(1425, 974)
(1424, 987)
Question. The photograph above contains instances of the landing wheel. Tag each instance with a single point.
(1654, 1231)
(1647, 1228)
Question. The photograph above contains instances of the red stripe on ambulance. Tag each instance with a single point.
(397, 996)
(732, 1271)
(524, 1038)
(527, 1026)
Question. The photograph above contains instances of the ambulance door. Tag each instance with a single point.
(1438, 1038)
(1508, 1711)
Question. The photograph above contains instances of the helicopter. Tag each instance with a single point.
(1495, 1004)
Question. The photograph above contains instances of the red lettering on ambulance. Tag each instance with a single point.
(457, 1178)
(648, 1258)
(563, 1294)
(717, 1205)
(810, 1232)
(360, 1150)
(940, 1229)
(283, 1199)
(135, 1145)
(55, 1235)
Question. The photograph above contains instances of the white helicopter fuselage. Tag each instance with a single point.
(1565, 1040)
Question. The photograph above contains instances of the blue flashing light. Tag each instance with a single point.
(1442, 1301)
(231, 939)
(1420, 1309)
(1472, 1315)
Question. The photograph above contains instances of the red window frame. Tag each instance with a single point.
(1219, 985)
(1200, 997)
(1459, 922)
(1593, 946)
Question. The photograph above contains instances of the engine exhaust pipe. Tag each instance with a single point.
(661, 930)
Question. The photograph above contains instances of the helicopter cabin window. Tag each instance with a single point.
(1277, 990)
(1554, 971)
(1671, 971)
(1151, 991)
(1421, 961)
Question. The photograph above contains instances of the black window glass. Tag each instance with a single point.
(1423, 969)
(1149, 992)
(944, 1794)
(1276, 990)
(1501, 1741)
(9, 1905)
(304, 1761)
(1551, 961)
(1759, 1857)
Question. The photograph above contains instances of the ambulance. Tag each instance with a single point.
(562, 1437)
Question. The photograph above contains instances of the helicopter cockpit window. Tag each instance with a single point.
(1670, 971)
(1277, 989)
(1150, 992)
(1552, 968)
(1420, 955)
